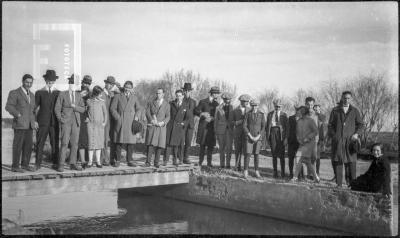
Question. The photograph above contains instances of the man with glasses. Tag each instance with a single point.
(276, 134)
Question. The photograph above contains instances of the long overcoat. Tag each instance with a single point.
(205, 131)
(238, 131)
(175, 129)
(341, 127)
(123, 111)
(156, 135)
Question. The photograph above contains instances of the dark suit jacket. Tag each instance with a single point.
(205, 132)
(46, 103)
(64, 112)
(283, 119)
(175, 130)
(18, 103)
(292, 139)
(191, 106)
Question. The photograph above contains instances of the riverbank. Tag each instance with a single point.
(321, 205)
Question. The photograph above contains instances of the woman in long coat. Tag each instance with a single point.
(124, 107)
(341, 128)
(157, 115)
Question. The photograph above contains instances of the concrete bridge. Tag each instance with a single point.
(47, 181)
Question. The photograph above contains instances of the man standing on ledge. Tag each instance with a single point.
(157, 115)
(205, 133)
(276, 134)
(345, 125)
(223, 125)
(68, 109)
(21, 105)
(238, 117)
(45, 100)
(124, 108)
(191, 103)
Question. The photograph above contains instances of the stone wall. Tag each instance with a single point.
(339, 209)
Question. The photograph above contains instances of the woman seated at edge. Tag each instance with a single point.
(377, 178)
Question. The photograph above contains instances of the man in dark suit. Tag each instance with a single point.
(253, 126)
(107, 95)
(187, 91)
(239, 137)
(176, 127)
(45, 99)
(293, 144)
(345, 125)
(21, 105)
(68, 108)
(276, 134)
(205, 133)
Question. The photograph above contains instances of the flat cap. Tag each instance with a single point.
(254, 102)
(277, 102)
(244, 97)
(227, 96)
(215, 90)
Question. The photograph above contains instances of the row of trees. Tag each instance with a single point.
(373, 95)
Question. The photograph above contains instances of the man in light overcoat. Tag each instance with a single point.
(124, 108)
(158, 116)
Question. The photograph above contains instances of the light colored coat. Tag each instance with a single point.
(155, 135)
(123, 112)
(221, 124)
(18, 103)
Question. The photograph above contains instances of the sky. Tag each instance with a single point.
(253, 45)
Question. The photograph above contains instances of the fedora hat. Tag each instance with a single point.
(50, 75)
(214, 90)
(110, 80)
(277, 102)
(187, 87)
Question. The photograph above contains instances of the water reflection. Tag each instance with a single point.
(136, 213)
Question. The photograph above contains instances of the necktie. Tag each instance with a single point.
(49, 91)
(27, 94)
(276, 118)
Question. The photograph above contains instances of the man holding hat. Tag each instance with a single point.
(205, 132)
(276, 134)
(253, 125)
(21, 105)
(68, 108)
(238, 117)
(223, 125)
(45, 99)
(107, 96)
(191, 103)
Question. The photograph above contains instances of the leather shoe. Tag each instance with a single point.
(106, 164)
(28, 168)
(75, 167)
(131, 164)
(186, 162)
(116, 164)
(147, 164)
(157, 165)
(60, 169)
(99, 166)
(19, 170)
(176, 164)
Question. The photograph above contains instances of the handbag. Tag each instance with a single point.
(136, 127)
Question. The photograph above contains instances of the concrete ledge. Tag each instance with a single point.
(70, 183)
(339, 209)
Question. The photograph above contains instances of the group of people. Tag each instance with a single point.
(92, 120)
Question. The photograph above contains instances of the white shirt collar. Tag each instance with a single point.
(25, 91)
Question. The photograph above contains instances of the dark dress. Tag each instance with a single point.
(83, 130)
(376, 179)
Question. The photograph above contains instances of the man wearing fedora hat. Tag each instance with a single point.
(68, 109)
(21, 105)
(107, 96)
(238, 117)
(205, 132)
(253, 126)
(191, 103)
(45, 99)
(276, 135)
(223, 125)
